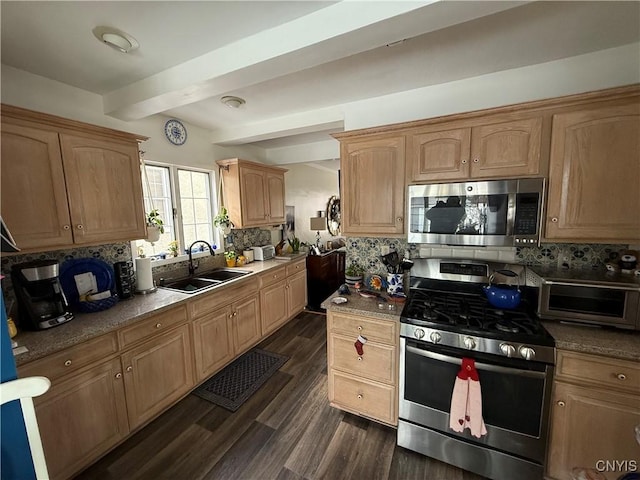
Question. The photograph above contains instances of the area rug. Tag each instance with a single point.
(233, 385)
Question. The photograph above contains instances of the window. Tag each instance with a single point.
(185, 200)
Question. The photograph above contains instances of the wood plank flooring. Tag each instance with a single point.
(285, 431)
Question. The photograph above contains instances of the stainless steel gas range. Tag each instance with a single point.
(448, 318)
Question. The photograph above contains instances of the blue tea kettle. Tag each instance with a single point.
(505, 296)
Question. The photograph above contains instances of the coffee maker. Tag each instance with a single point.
(41, 301)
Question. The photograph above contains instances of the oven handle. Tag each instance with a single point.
(591, 285)
(479, 365)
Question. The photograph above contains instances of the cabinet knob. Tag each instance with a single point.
(158, 325)
(118, 375)
(476, 160)
(399, 219)
(231, 315)
(359, 358)
(66, 227)
(67, 363)
(235, 314)
(79, 226)
(464, 162)
(359, 328)
(554, 219)
(621, 376)
(129, 368)
(359, 396)
(561, 403)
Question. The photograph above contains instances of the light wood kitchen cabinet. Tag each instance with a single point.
(364, 384)
(595, 407)
(157, 373)
(253, 193)
(67, 183)
(283, 294)
(594, 168)
(372, 184)
(245, 324)
(491, 149)
(212, 342)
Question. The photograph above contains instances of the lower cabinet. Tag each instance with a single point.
(245, 324)
(212, 342)
(156, 374)
(595, 408)
(82, 417)
(365, 384)
(282, 296)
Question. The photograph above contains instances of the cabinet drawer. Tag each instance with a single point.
(370, 399)
(222, 296)
(151, 326)
(296, 267)
(72, 358)
(272, 276)
(378, 362)
(382, 331)
(582, 368)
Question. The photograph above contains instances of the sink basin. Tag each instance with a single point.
(191, 285)
(223, 274)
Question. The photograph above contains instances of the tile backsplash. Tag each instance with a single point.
(366, 251)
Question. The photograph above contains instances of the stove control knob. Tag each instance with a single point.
(418, 333)
(527, 353)
(435, 337)
(507, 349)
(469, 342)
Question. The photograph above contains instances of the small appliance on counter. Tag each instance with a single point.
(41, 301)
(125, 279)
(263, 253)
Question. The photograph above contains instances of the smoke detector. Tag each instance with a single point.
(233, 102)
(117, 39)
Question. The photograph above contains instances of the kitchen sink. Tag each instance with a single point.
(191, 285)
(223, 274)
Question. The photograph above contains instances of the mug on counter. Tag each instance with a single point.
(395, 284)
(248, 254)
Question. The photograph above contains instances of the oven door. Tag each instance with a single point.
(515, 396)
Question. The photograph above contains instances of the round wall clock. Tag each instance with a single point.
(333, 215)
(175, 131)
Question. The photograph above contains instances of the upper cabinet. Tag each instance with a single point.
(491, 149)
(594, 172)
(66, 183)
(253, 193)
(373, 184)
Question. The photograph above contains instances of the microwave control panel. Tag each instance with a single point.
(525, 225)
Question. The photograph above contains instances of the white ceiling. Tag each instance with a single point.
(292, 60)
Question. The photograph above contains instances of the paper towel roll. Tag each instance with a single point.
(144, 278)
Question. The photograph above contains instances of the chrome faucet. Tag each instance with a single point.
(192, 268)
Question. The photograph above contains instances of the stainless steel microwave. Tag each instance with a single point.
(488, 213)
(593, 297)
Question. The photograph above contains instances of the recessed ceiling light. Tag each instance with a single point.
(121, 41)
(233, 102)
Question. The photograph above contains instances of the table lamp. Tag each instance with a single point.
(318, 223)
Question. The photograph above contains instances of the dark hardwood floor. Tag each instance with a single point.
(286, 430)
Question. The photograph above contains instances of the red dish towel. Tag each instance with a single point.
(466, 401)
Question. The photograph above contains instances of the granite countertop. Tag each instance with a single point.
(85, 326)
(358, 305)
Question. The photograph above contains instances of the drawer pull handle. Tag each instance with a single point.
(129, 368)
(359, 396)
(554, 219)
(359, 328)
(359, 359)
(67, 363)
(66, 227)
(158, 325)
(561, 403)
(621, 376)
(118, 375)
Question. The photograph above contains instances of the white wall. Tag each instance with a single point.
(30, 91)
(309, 187)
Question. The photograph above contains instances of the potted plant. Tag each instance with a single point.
(222, 221)
(230, 257)
(294, 243)
(353, 274)
(173, 248)
(155, 226)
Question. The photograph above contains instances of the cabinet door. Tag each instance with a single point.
(506, 149)
(82, 417)
(273, 306)
(157, 373)
(373, 186)
(212, 342)
(275, 197)
(439, 155)
(253, 195)
(105, 189)
(34, 197)
(296, 293)
(590, 425)
(245, 324)
(594, 171)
